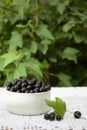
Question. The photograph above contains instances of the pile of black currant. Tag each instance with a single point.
(51, 116)
(24, 85)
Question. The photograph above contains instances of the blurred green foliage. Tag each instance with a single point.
(44, 39)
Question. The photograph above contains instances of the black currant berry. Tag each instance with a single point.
(15, 81)
(24, 84)
(29, 87)
(33, 81)
(19, 91)
(13, 89)
(77, 114)
(32, 91)
(58, 117)
(19, 83)
(46, 88)
(52, 117)
(23, 80)
(46, 116)
(27, 91)
(16, 87)
(36, 90)
(41, 89)
(38, 84)
(9, 84)
(30, 82)
(8, 88)
(23, 89)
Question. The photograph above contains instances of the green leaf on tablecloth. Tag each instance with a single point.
(58, 105)
(51, 103)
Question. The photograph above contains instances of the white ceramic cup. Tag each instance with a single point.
(27, 103)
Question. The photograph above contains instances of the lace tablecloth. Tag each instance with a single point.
(75, 98)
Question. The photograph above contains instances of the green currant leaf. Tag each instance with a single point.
(51, 103)
(58, 105)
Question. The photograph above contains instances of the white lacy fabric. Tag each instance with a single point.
(75, 98)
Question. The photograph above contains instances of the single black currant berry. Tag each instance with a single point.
(13, 89)
(77, 114)
(15, 81)
(58, 117)
(8, 88)
(19, 83)
(29, 82)
(33, 81)
(23, 80)
(46, 88)
(17, 87)
(23, 89)
(9, 84)
(36, 90)
(46, 116)
(43, 84)
(52, 117)
(38, 84)
(27, 91)
(19, 91)
(49, 87)
(24, 84)
(41, 89)
(29, 87)
(31, 91)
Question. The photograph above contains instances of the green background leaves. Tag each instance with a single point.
(16, 40)
(45, 39)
